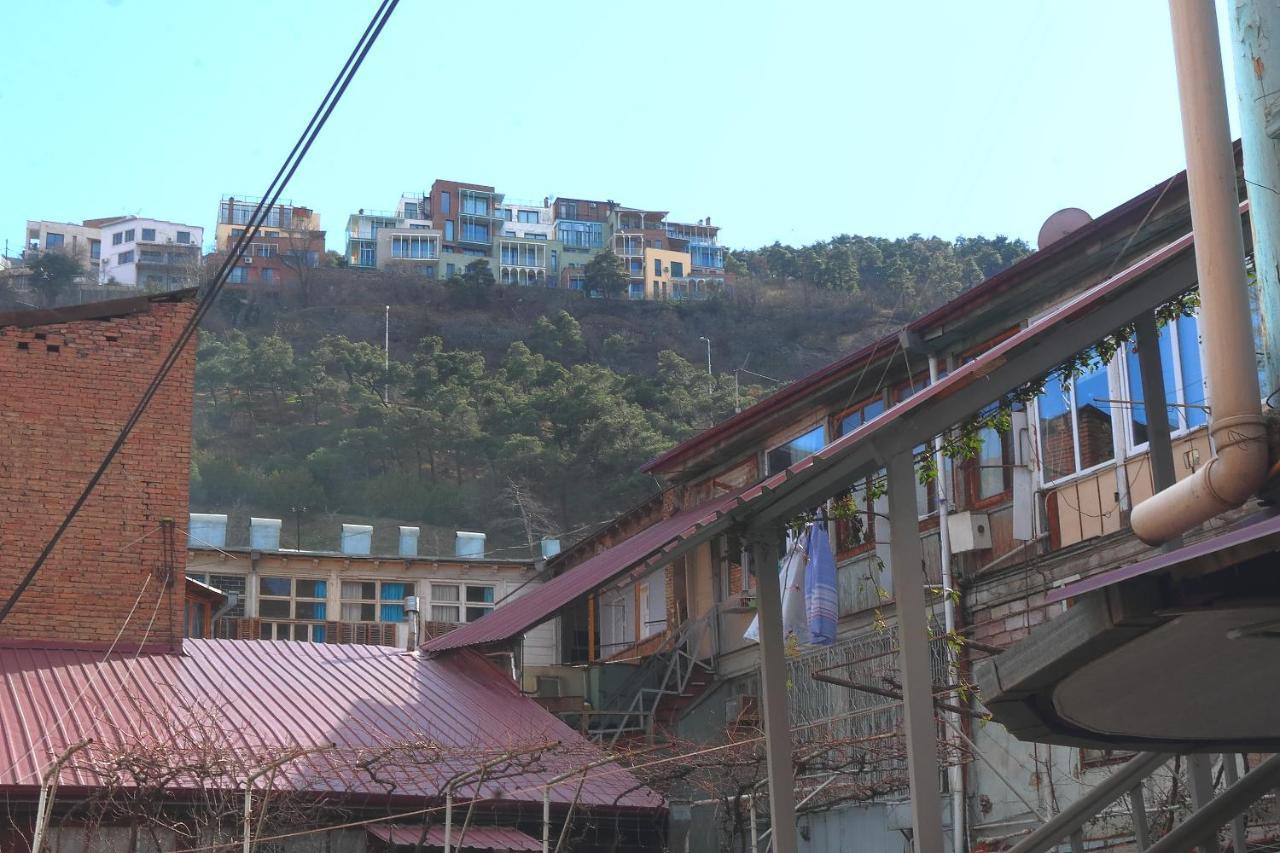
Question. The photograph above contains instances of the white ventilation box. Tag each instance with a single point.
(357, 539)
(468, 544)
(408, 541)
(970, 531)
(207, 530)
(264, 534)
(550, 547)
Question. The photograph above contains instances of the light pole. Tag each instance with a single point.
(386, 358)
(710, 377)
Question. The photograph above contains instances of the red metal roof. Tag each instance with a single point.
(497, 838)
(541, 604)
(254, 701)
(968, 301)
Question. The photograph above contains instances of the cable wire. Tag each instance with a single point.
(256, 220)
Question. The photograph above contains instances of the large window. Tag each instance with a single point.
(1075, 424)
(284, 602)
(475, 232)
(448, 230)
(374, 601)
(95, 249)
(413, 247)
(445, 202)
(125, 257)
(475, 204)
(707, 256)
(456, 602)
(148, 235)
(529, 216)
(581, 235)
(568, 210)
(263, 250)
(183, 237)
(368, 255)
(790, 452)
(53, 240)
(1183, 381)
(238, 275)
(859, 528)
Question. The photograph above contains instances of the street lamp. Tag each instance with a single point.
(710, 378)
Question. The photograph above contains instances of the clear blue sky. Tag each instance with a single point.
(783, 120)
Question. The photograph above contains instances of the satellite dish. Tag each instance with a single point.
(1060, 225)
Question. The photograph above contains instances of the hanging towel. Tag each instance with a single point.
(820, 592)
(791, 581)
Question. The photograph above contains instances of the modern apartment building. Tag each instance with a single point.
(548, 243)
(289, 242)
(123, 250)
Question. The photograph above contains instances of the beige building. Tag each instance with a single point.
(663, 269)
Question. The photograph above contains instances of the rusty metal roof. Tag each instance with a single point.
(523, 613)
(253, 701)
(497, 838)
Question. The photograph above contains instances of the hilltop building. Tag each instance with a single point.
(289, 243)
(131, 251)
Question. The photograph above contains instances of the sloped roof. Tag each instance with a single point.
(512, 620)
(498, 838)
(420, 721)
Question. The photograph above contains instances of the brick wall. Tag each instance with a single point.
(67, 388)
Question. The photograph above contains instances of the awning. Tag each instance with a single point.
(642, 550)
(495, 838)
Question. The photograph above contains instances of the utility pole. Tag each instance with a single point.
(1255, 36)
(710, 377)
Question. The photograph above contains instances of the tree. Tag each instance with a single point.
(605, 274)
(471, 288)
(559, 338)
(300, 253)
(53, 275)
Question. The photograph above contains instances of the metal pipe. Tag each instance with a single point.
(1204, 822)
(955, 773)
(1239, 467)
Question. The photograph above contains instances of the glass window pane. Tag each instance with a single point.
(1057, 450)
(302, 632)
(309, 610)
(480, 594)
(274, 586)
(351, 612)
(1192, 372)
(990, 465)
(392, 613)
(395, 591)
(444, 613)
(444, 592)
(317, 633)
(354, 590)
(1137, 411)
(273, 608)
(310, 588)
(474, 613)
(1093, 418)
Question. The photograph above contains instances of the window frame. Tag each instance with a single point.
(1134, 448)
(463, 603)
(818, 427)
(1111, 369)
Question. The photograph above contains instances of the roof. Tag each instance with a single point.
(104, 310)
(197, 589)
(968, 301)
(513, 619)
(1253, 537)
(477, 837)
(518, 562)
(254, 701)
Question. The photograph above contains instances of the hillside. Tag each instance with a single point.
(515, 411)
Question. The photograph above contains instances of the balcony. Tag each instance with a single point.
(341, 633)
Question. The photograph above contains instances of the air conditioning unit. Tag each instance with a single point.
(549, 687)
(970, 531)
(742, 711)
(246, 259)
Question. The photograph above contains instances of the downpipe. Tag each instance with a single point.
(1239, 465)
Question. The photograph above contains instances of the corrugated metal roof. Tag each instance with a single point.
(477, 837)
(541, 604)
(411, 722)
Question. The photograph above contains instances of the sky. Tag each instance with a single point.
(789, 121)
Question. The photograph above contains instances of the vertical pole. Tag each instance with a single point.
(773, 689)
(1141, 829)
(956, 771)
(906, 559)
(1200, 782)
(1154, 395)
(1256, 49)
(448, 815)
(386, 360)
(1231, 775)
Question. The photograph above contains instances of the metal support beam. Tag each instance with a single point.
(1153, 398)
(907, 559)
(1141, 829)
(773, 689)
(1231, 802)
(1230, 776)
(1076, 815)
(1200, 784)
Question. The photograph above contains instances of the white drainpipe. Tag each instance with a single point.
(1239, 466)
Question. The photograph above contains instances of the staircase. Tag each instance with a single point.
(669, 680)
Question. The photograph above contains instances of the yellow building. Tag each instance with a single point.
(664, 273)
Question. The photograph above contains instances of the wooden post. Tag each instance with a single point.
(591, 628)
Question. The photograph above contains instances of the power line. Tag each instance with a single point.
(268, 201)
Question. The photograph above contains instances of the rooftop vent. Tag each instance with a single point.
(408, 541)
(207, 530)
(264, 534)
(550, 547)
(357, 538)
(469, 544)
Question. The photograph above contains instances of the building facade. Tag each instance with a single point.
(130, 251)
(289, 243)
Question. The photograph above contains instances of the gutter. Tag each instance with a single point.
(1239, 466)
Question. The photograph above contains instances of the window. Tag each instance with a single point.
(53, 241)
(295, 600)
(368, 255)
(128, 235)
(117, 238)
(445, 202)
(410, 210)
(787, 454)
(151, 257)
(262, 250)
(448, 230)
(149, 235)
(529, 217)
(859, 529)
(125, 257)
(636, 290)
(578, 283)
(374, 601)
(568, 210)
(555, 261)
(238, 275)
(677, 269)
(460, 602)
(475, 232)
(183, 237)
(450, 269)
(1075, 424)
(95, 249)
(474, 203)
(657, 267)
(268, 275)
(1183, 381)
(237, 233)
(581, 235)
(413, 247)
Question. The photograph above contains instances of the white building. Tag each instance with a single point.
(153, 252)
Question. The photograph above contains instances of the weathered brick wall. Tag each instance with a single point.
(65, 391)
